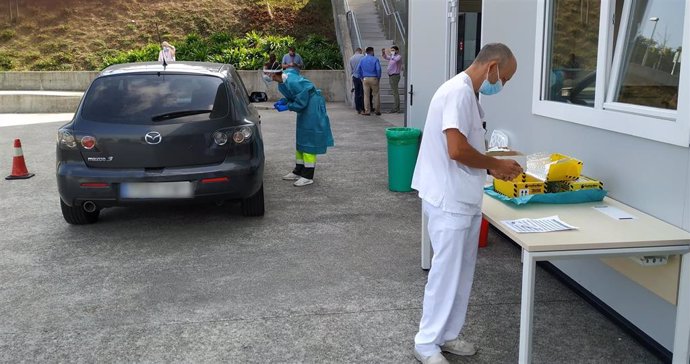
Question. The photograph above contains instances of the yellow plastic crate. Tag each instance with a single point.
(563, 168)
(582, 183)
(522, 185)
(585, 183)
(555, 167)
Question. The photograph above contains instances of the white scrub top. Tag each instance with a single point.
(441, 181)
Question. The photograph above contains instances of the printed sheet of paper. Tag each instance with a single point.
(543, 225)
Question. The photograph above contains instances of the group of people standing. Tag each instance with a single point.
(366, 77)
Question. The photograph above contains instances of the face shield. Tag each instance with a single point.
(267, 75)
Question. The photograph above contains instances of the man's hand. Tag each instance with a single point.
(507, 169)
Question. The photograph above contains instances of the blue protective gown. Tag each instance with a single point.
(313, 126)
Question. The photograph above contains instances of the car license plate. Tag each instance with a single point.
(183, 189)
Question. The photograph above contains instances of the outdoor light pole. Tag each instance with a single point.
(655, 19)
(676, 59)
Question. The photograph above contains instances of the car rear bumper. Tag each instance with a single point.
(229, 180)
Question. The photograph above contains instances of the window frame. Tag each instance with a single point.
(661, 125)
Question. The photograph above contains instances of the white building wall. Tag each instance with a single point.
(650, 176)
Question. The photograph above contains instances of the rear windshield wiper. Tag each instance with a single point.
(178, 114)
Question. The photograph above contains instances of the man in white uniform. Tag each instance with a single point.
(449, 175)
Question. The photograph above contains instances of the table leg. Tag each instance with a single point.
(529, 265)
(426, 244)
(681, 341)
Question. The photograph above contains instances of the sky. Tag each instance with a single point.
(670, 23)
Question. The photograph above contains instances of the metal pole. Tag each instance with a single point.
(676, 57)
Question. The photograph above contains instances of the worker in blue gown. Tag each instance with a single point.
(313, 132)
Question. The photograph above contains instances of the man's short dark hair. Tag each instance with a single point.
(396, 48)
(291, 49)
(370, 49)
(495, 52)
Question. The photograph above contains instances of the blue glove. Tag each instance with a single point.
(280, 107)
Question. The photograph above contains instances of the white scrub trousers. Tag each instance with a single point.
(454, 239)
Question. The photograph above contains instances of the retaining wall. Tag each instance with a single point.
(331, 83)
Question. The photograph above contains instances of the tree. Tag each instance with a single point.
(14, 10)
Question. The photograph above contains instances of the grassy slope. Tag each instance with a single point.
(75, 35)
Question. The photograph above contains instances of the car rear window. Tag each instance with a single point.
(138, 98)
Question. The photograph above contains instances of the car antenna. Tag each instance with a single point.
(158, 31)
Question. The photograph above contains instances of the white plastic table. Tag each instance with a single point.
(598, 236)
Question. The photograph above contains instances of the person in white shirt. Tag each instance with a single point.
(449, 175)
(167, 53)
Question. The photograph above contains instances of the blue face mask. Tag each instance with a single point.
(488, 88)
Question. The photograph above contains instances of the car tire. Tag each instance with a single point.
(76, 215)
(254, 205)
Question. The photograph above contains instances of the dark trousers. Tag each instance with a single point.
(359, 94)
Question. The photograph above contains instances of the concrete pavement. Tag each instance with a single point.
(330, 274)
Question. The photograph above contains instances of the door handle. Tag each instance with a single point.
(411, 94)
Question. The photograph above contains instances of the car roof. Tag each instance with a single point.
(201, 68)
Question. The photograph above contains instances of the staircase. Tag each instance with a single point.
(372, 35)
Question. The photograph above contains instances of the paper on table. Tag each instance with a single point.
(545, 224)
(614, 212)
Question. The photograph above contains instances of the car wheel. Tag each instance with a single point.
(76, 215)
(254, 205)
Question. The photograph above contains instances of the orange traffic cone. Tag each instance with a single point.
(19, 170)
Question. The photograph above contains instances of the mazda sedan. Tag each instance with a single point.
(153, 133)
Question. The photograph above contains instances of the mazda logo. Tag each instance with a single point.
(153, 137)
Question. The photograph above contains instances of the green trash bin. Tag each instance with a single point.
(403, 147)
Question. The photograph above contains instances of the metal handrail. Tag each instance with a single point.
(351, 15)
(399, 28)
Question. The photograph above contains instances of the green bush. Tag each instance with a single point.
(5, 62)
(148, 53)
(245, 53)
(7, 34)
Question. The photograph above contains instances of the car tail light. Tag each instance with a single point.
(242, 135)
(88, 142)
(215, 180)
(220, 137)
(65, 139)
(94, 185)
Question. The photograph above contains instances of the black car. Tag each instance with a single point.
(151, 133)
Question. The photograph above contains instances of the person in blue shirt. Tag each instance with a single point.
(356, 81)
(369, 70)
(313, 132)
(292, 60)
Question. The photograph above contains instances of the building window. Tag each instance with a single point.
(615, 65)
(572, 56)
(649, 55)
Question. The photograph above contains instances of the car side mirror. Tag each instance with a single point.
(258, 96)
